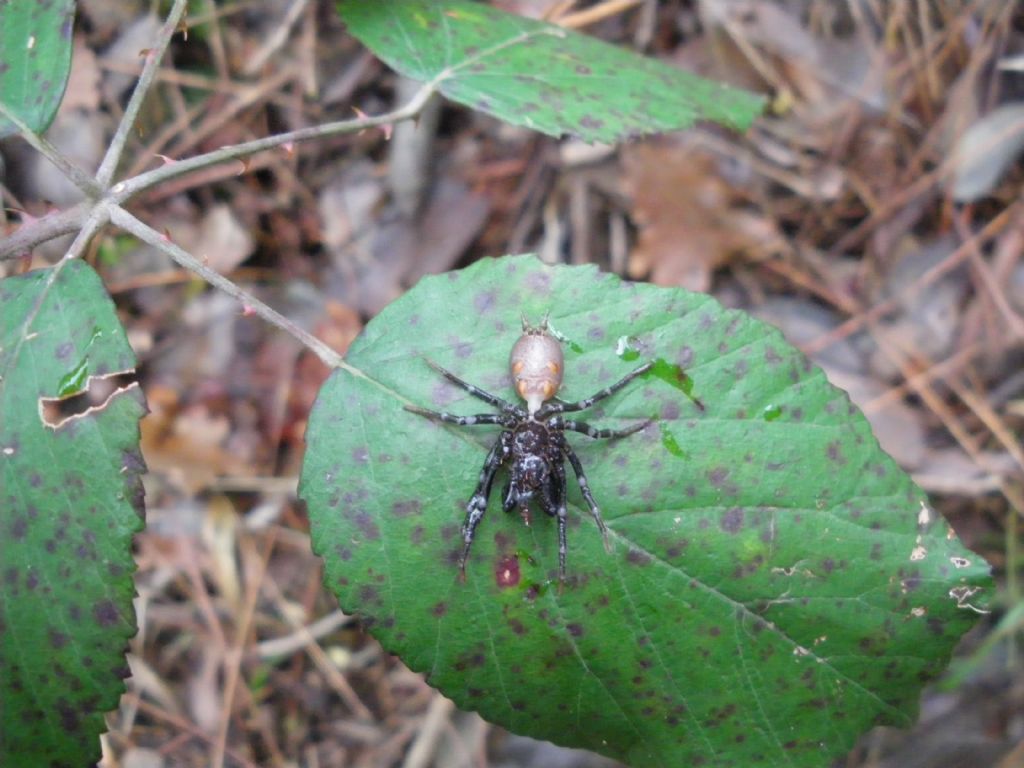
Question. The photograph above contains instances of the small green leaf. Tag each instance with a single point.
(74, 381)
(71, 500)
(538, 75)
(778, 585)
(35, 59)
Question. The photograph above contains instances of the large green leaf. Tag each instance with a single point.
(777, 584)
(538, 75)
(35, 59)
(71, 501)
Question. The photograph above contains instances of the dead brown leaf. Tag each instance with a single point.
(687, 215)
(186, 445)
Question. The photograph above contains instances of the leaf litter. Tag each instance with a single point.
(819, 204)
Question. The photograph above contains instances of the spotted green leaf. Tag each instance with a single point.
(35, 59)
(71, 499)
(777, 586)
(537, 75)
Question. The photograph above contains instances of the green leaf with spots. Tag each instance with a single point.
(71, 499)
(777, 586)
(35, 59)
(538, 75)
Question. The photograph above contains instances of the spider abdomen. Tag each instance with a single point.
(536, 363)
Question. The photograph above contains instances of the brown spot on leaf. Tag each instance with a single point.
(58, 639)
(502, 541)
(732, 520)
(539, 283)
(717, 476)
(407, 508)
(835, 452)
(462, 349)
(105, 613)
(675, 550)
(484, 302)
(637, 557)
(471, 661)
(368, 526)
(68, 716)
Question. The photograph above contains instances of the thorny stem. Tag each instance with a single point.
(121, 218)
(105, 202)
(42, 230)
(113, 156)
(94, 221)
(32, 235)
(86, 183)
(125, 190)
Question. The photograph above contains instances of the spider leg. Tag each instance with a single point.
(559, 491)
(581, 478)
(507, 502)
(477, 504)
(462, 421)
(484, 395)
(563, 407)
(586, 429)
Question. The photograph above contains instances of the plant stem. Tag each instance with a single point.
(113, 156)
(121, 218)
(46, 229)
(107, 201)
(86, 183)
(125, 190)
(42, 230)
(94, 221)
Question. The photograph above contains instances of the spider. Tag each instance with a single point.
(532, 439)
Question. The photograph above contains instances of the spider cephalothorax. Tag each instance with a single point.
(532, 441)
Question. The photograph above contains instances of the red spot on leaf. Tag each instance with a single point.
(506, 573)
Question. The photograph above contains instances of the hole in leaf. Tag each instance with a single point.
(85, 395)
